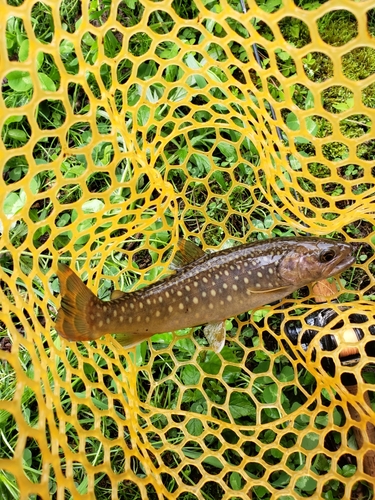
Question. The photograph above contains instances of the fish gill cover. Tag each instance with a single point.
(125, 124)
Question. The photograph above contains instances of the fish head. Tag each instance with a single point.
(315, 259)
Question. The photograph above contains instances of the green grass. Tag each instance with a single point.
(203, 212)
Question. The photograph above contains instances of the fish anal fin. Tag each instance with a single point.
(215, 335)
(128, 340)
(187, 252)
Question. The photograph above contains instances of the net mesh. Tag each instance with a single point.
(125, 124)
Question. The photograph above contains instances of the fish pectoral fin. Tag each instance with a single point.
(116, 294)
(187, 252)
(251, 290)
(215, 335)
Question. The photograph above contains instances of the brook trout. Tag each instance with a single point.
(205, 288)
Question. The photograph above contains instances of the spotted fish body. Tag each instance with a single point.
(206, 288)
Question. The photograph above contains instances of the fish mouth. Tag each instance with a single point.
(344, 260)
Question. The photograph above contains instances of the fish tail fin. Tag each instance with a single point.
(76, 301)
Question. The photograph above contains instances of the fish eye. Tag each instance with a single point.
(327, 256)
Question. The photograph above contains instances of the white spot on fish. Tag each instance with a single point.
(222, 302)
(217, 277)
(98, 315)
(179, 293)
(167, 295)
(108, 320)
(100, 323)
(204, 279)
(210, 305)
(257, 285)
(170, 309)
(140, 305)
(213, 293)
(204, 294)
(160, 299)
(246, 280)
(131, 306)
(123, 308)
(229, 298)
(196, 284)
(139, 318)
(225, 286)
(236, 277)
(130, 319)
(235, 287)
(181, 306)
(232, 268)
(92, 316)
(157, 314)
(226, 272)
(259, 274)
(147, 319)
(148, 302)
(187, 288)
(195, 300)
(270, 270)
(114, 313)
(104, 308)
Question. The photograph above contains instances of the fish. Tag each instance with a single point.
(204, 289)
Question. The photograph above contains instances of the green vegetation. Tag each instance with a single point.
(231, 197)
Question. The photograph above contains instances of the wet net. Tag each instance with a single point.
(125, 124)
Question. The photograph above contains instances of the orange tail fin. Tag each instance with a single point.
(76, 300)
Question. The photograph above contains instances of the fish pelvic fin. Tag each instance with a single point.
(215, 335)
(76, 300)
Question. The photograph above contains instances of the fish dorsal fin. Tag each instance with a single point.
(187, 252)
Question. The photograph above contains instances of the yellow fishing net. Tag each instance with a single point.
(125, 124)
